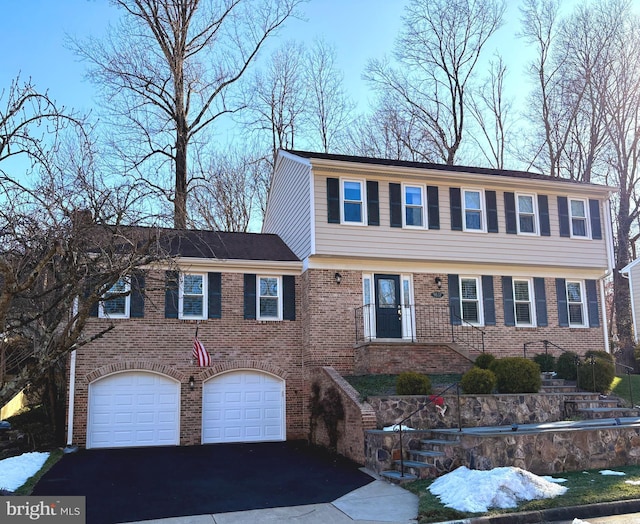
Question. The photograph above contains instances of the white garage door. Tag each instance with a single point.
(133, 408)
(243, 406)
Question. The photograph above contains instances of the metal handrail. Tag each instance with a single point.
(546, 343)
(430, 400)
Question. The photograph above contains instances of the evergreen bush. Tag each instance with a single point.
(517, 375)
(546, 362)
(484, 361)
(596, 377)
(566, 367)
(478, 381)
(412, 383)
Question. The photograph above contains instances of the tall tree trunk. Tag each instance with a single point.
(180, 198)
(621, 295)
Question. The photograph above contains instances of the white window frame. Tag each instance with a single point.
(362, 201)
(181, 294)
(278, 297)
(582, 303)
(407, 302)
(587, 229)
(531, 302)
(479, 300)
(422, 206)
(369, 303)
(534, 201)
(127, 301)
(483, 213)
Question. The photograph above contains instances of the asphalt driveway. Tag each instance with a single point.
(133, 484)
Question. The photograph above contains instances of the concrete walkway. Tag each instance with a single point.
(374, 503)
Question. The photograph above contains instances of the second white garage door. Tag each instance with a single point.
(243, 406)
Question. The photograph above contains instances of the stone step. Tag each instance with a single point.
(397, 478)
(593, 403)
(557, 389)
(436, 444)
(605, 412)
(426, 454)
(421, 469)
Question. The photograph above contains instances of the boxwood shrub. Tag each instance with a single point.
(566, 367)
(602, 372)
(545, 361)
(478, 381)
(412, 383)
(484, 361)
(517, 375)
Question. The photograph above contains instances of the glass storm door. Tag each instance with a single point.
(388, 308)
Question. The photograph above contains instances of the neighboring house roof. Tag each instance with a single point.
(626, 269)
(435, 167)
(226, 245)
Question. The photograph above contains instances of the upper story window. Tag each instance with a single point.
(576, 304)
(192, 303)
(523, 303)
(470, 300)
(473, 210)
(578, 217)
(116, 302)
(353, 208)
(527, 214)
(414, 209)
(269, 297)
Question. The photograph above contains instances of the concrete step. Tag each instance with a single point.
(397, 478)
(421, 469)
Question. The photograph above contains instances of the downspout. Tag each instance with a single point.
(605, 324)
(72, 391)
(610, 269)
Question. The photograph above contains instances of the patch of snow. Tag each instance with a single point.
(15, 471)
(632, 482)
(477, 491)
(396, 427)
(578, 521)
(551, 479)
(609, 472)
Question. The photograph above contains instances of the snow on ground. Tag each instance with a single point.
(476, 491)
(396, 427)
(15, 471)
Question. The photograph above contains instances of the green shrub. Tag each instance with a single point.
(478, 381)
(545, 361)
(599, 354)
(412, 383)
(484, 361)
(566, 367)
(602, 372)
(517, 375)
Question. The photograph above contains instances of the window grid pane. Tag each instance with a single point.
(576, 307)
(192, 296)
(112, 306)
(352, 206)
(269, 297)
(469, 300)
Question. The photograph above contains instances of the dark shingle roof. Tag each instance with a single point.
(226, 246)
(426, 165)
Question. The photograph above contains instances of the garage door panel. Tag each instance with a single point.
(133, 408)
(243, 406)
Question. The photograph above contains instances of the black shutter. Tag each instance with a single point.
(289, 297)
(492, 211)
(93, 311)
(543, 209)
(563, 216)
(171, 284)
(333, 200)
(510, 213)
(373, 203)
(214, 300)
(561, 293)
(455, 204)
(454, 300)
(541, 302)
(507, 301)
(137, 295)
(488, 301)
(592, 303)
(249, 297)
(395, 204)
(594, 213)
(433, 206)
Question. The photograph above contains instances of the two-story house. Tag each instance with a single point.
(364, 265)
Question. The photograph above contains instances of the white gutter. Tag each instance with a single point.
(72, 391)
(605, 324)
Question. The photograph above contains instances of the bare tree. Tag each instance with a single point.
(167, 72)
(437, 55)
(277, 98)
(329, 108)
(492, 111)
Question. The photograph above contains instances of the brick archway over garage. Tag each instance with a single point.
(135, 365)
(236, 365)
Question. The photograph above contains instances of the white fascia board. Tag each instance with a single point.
(234, 266)
(627, 269)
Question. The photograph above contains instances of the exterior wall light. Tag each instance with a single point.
(338, 278)
(438, 281)
(192, 383)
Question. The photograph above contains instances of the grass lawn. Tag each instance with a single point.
(381, 385)
(28, 486)
(620, 388)
(585, 487)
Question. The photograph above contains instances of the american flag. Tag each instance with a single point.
(200, 353)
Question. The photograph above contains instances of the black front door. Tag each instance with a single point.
(388, 311)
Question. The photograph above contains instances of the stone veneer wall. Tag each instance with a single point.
(358, 416)
(541, 453)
